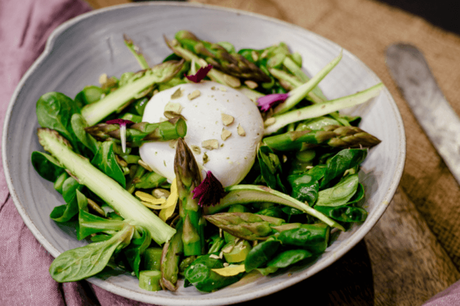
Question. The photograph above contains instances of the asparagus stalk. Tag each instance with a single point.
(141, 132)
(315, 95)
(170, 258)
(188, 177)
(297, 94)
(136, 52)
(149, 180)
(244, 194)
(335, 136)
(295, 69)
(95, 112)
(106, 188)
(245, 225)
(282, 75)
(273, 124)
(216, 55)
(214, 74)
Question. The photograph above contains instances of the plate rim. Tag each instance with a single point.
(179, 300)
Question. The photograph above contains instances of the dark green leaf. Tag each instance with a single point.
(59, 182)
(92, 224)
(358, 196)
(83, 262)
(89, 94)
(46, 165)
(341, 162)
(260, 254)
(136, 248)
(288, 258)
(312, 237)
(54, 110)
(199, 274)
(339, 194)
(305, 187)
(64, 213)
(78, 126)
(344, 213)
(270, 168)
(106, 161)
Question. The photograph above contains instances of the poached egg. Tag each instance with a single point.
(224, 129)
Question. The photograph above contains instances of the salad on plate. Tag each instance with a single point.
(211, 165)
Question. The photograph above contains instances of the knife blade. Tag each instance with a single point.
(413, 76)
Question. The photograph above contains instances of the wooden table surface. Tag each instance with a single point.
(408, 257)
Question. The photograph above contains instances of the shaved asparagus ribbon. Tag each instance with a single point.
(273, 124)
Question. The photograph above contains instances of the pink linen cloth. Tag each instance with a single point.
(25, 26)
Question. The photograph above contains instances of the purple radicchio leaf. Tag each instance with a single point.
(210, 191)
(267, 102)
(119, 121)
(199, 75)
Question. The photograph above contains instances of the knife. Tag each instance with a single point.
(413, 76)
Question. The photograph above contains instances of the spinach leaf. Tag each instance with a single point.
(59, 182)
(79, 124)
(312, 237)
(304, 187)
(289, 257)
(54, 110)
(339, 194)
(344, 213)
(106, 161)
(270, 168)
(200, 274)
(46, 165)
(83, 262)
(91, 224)
(341, 162)
(64, 213)
(272, 211)
(358, 196)
(88, 95)
(260, 254)
(136, 248)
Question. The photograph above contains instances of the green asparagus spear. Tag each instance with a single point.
(97, 111)
(139, 133)
(273, 124)
(244, 194)
(106, 188)
(188, 177)
(170, 260)
(213, 74)
(216, 55)
(245, 225)
(300, 92)
(332, 135)
(136, 52)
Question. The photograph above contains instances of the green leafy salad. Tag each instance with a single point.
(208, 166)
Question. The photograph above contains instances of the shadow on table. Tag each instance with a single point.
(440, 13)
(346, 282)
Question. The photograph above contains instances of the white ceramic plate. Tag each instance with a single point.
(80, 50)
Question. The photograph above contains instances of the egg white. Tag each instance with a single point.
(234, 157)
